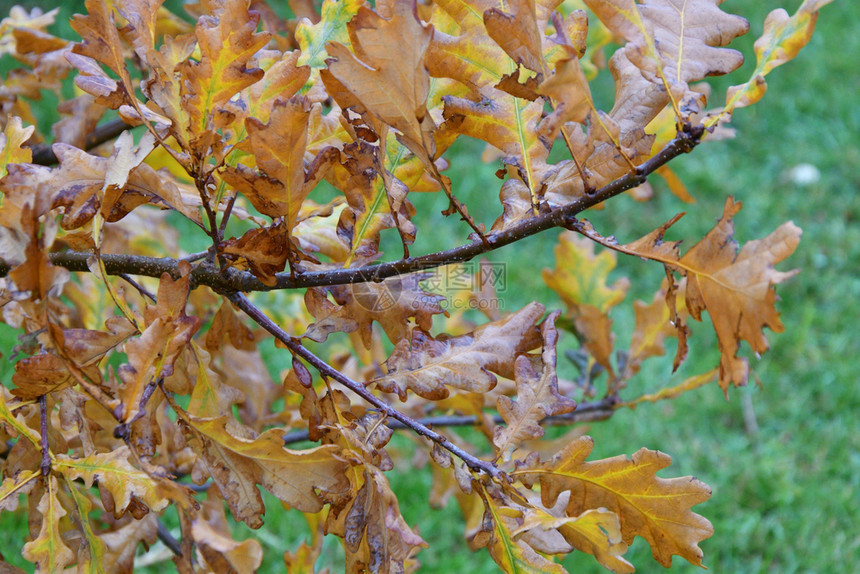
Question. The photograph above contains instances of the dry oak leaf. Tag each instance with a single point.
(428, 366)
(215, 545)
(123, 539)
(12, 149)
(152, 355)
(45, 373)
(265, 251)
(595, 531)
(238, 461)
(118, 476)
(387, 73)
(227, 41)
(279, 148)
(391, 303)
(671, 44)
(512, 553)
(654, 508)
(580, 276)
(375, 534)
(82, 180)
(376, 200)
(537, 397)
(48, 550)
(736, 288)
(100, 43)
(782, 39)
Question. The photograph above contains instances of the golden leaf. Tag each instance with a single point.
(117, 476)
(48, 550)
(654, 508)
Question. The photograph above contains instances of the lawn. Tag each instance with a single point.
(782, 456)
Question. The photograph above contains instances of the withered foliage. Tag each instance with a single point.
(139, 383)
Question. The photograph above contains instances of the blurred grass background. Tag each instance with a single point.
(785, 498)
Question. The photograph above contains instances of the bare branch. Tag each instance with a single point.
(585, 412)
(327, 370)
(44, 155)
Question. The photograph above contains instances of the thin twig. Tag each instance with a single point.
(140, 288)
(325, 369)
(585, 412)
(230, 279)
(168, 539)
(43, 440)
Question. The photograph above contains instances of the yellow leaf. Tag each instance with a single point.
(91, 553)
(12, 487)
(12, 149)
(512, 555)
(595, 531)
(580, 276)
(227, 42)
(116, 475)
(657, 509)
(48, 550)
(312, 38)
(689, 384)
(782, 39)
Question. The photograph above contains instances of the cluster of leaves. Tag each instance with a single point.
(125, 402)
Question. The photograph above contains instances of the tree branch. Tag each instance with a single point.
(44, 155)
(585, 412)
(231, 280)
(358, 388)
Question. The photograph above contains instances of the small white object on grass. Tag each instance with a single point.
(804, 174)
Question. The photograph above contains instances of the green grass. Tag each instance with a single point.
(784, 499)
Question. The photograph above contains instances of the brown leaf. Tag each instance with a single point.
(670, 45)
(238, 462)
(122, 541)
(100, 43)
(151, 356)
(387, 73)
(428, 366)
(265, 250)
(376, 536)
(537, 397)
(83, 180)
(215, 544)
(736, 288)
